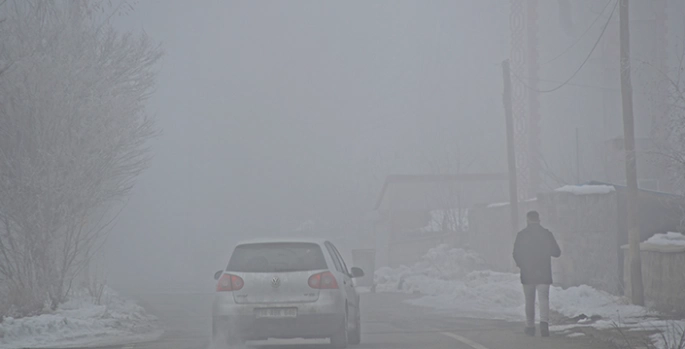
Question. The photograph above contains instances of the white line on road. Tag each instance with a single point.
(464, 340)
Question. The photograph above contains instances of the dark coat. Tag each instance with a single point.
(533, 250)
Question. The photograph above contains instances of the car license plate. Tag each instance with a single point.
(276, 313)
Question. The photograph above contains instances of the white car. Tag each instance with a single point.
(287, 289)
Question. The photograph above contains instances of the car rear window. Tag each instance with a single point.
(276, 257)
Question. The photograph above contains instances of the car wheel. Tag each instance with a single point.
(216, 331)
(355, 336)
(339, 338)
(221, 339)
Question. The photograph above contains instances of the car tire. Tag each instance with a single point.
(339, 338)
(221, 338)
(355, 336)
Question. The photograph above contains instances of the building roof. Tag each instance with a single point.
(318, 241)
(652, 192)
(428, 191)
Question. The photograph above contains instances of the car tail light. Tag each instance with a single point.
(323, 281)
(229, 282)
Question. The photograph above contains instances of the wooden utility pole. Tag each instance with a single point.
(636, 288)
(511, 154)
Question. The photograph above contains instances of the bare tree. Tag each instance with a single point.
(73, 133)
(669, 133)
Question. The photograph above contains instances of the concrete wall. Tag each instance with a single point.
(491, 235)
(585, 227)
(663, 276)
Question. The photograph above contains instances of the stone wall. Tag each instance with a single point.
(663, 276)
(585, 227)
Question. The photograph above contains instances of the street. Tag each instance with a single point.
(387, 323)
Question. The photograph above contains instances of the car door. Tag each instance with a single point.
(348, 284)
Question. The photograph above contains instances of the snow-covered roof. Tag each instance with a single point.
(428, 192)
(586, 189)
(666, 243)
(668, 239)
(503, 204)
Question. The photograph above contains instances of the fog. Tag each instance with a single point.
(278, 113)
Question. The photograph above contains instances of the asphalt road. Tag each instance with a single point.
(387, 323)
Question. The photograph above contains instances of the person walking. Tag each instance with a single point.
(533, 249)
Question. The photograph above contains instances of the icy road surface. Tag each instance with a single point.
(387, 322)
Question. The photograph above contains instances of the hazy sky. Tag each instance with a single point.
(278, 112)
(275, 113)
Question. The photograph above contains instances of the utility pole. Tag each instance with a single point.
(513, 192)
(636, 288)
(577, 157)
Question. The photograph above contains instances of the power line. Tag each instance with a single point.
(575, 84)
(581, 35)
(581, 65)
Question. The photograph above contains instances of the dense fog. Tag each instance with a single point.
(283, 114)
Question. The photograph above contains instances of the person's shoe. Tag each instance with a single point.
(544, 329)
(530, 331)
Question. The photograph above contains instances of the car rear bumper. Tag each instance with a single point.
(318, 319)
(305, 326)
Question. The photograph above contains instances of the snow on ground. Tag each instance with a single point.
(586, 189)
(458, 282)
(79, 322)
(668, 239)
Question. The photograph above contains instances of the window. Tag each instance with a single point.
(334, 256)
(277, 257)
(342, 261)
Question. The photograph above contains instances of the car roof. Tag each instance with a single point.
(318, 241)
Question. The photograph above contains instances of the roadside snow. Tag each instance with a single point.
(576, 334)
(586, 189)
(668, 239)
(458, 282)
(79, 322)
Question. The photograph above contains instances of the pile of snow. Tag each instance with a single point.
(668, 239)
(78, 322)
(586, 189)
(441, 263)
(456, 281)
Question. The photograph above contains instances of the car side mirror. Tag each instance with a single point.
(357, 272)
(217, 275)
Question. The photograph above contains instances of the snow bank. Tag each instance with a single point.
(668, 239)
(586, 189)
(441, 263)
(456, 281)
(79, 322)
